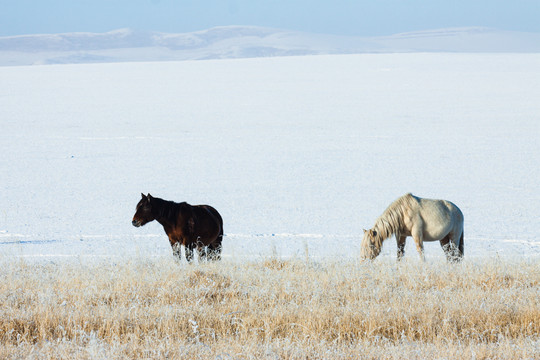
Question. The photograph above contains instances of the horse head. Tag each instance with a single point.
(371, 244)
(143, 213)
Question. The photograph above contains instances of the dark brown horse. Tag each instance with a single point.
(196, 226)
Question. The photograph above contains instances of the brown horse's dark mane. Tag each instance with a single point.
(165, 210)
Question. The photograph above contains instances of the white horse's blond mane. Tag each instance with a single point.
(391, 220)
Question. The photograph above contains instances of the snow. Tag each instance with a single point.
(247, 42)
(298, 154)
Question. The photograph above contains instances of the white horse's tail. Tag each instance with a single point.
(461, 245)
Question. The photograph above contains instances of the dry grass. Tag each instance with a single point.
(157, 309)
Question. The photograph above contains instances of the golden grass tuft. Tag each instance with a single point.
(288, 309)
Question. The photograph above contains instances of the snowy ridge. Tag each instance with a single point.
(126, 45)
(436, 33)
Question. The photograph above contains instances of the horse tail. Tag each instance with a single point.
(221, 228)
(461, 245)
(216, 215)
(220, 220)
(215, 248)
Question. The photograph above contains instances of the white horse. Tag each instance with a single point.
(424, 220)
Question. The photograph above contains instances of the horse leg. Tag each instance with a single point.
(214, 249)
(419, 240)
(400, 246)
(189, 252)
(201, 250)
(452, 249)
(447, 247)
(177, 250)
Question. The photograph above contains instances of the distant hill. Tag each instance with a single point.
(244, 42)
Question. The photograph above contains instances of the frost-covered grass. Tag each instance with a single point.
(270, 309)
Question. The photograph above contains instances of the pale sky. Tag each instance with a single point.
(342, 17)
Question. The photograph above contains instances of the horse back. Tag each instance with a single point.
(439, 208)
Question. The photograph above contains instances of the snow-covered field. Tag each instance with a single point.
(298, 154)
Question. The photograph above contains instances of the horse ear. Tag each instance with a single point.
(365, 231)
(143, 196)
(149, 197)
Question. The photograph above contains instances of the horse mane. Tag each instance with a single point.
(391, 220)
(165, 209)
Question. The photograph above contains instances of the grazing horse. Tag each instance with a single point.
(196, 226)
(424, 220)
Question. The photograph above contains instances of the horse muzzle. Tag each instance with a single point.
(136, 223)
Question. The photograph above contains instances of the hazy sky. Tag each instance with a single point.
(345, 17)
